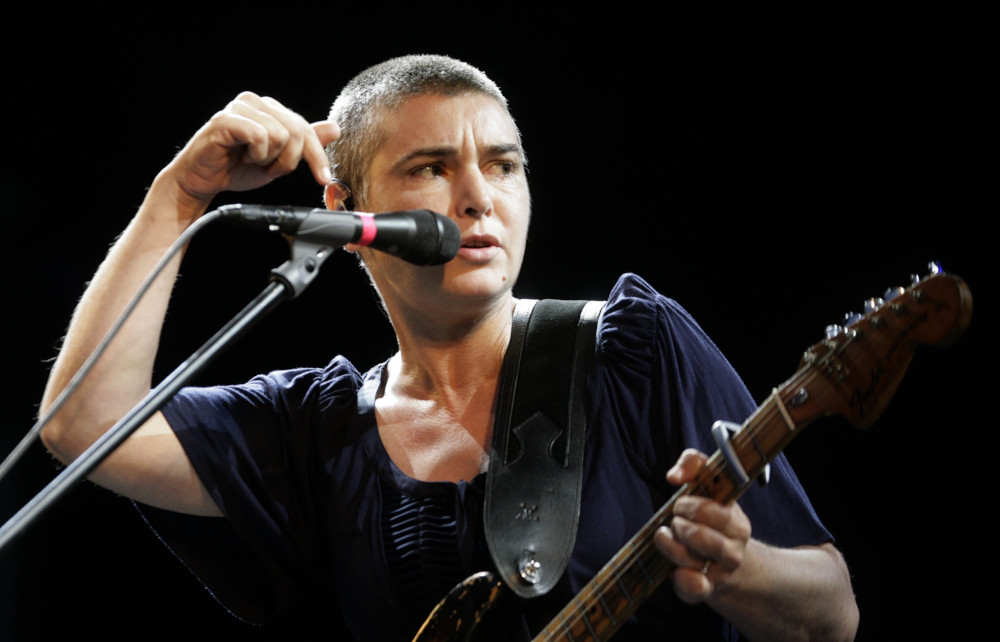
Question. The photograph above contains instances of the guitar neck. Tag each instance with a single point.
(638, 569)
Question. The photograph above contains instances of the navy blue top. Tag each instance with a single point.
(294, 461)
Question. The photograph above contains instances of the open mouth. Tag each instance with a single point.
(479, 248)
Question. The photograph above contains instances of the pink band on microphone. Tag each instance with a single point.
(367, 229)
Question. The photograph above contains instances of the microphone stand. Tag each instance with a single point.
(288, 281)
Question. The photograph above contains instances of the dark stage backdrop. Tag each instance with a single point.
(768, 172)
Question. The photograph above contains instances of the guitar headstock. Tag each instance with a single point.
(863, 360)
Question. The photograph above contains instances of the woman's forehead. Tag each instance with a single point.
(433, 120)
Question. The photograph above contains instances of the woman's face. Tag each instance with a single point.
(459, 156)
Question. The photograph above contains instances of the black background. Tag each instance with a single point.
(767, 171)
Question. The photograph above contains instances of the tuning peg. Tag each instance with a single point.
(933, 269)
(851, 318)
(833, 331)
(892, 293)
(873, 304)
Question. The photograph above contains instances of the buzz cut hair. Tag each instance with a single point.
(376, 91)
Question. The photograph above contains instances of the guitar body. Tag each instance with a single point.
(853, 373)
(465, 613)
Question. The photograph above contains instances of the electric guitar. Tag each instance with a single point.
(853, 373)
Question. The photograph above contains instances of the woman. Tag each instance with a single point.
(372, 484)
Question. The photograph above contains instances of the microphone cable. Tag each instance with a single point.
(74, 383)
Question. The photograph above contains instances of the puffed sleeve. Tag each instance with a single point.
(663, 383)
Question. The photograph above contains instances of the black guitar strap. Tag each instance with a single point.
(532, 504)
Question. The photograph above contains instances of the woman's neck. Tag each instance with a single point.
(448, 360)
(435, 413)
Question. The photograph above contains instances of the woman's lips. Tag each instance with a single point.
(479, 248)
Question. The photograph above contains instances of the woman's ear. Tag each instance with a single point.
(336, 194)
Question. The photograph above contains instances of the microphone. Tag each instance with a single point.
(421, 237)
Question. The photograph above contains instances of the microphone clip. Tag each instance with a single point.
(299, 271)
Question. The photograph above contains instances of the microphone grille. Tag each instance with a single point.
(437, 239)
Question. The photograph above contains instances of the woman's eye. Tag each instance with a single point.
(427, 171)
(504, 168)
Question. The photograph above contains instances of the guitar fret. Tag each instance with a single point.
(559, 628)
(757, 446)
(634, 581)
(604, 605)
(624, 588)
(590, 628)
(569, 633)
(784, 411)
(642, 567)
